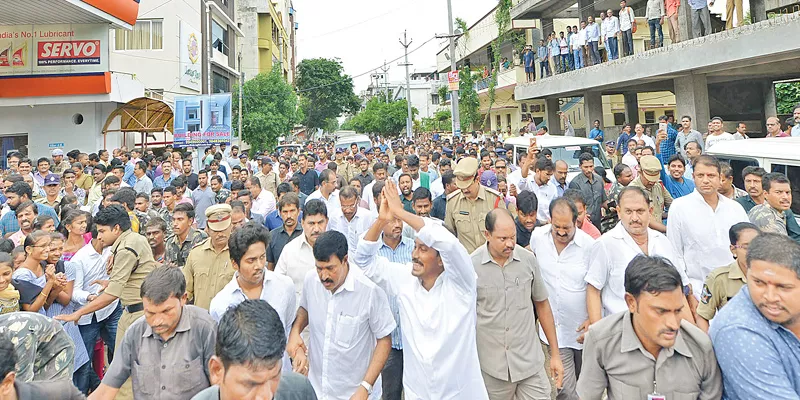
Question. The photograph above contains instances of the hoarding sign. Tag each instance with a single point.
(452, 80)
(202, 120)
(40, 50)
(191, 47)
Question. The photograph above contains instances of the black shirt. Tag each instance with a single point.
(278, 239)
(308, 181)
(439, 207)
(191, 181)
(365, 179)
(523, 235)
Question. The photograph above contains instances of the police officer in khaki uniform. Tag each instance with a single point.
(343, 167)
(650, 180)
(208, 268)
(130, 261)
(467, 208)
(268, 178)
(725, 282)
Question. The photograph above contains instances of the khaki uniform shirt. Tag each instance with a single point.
(615, 361)
(206, 272)
(176, 368)
(177, 253)
(768, 219)
(659, 197)
(344, 169)
(721, 285)
(132, 260)
(506, 331)
(43, 200)
(466, 218)
(59, 168)
(269, 182)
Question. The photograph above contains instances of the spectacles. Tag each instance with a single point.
(353, 207)
(742, 246)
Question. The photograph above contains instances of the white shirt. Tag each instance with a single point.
(277, 290)
(366, 194)
(610, 27)
(544, 193)
(714, 139)
(625, 18)
(332, 202)
(352, 229)
(344, 329)
(610, 257)
(298, 260)
(437, 189)
(90, 266)
(577, 40)
(700, 234)
(440, 353)
(264, 203)
(648, 141)
(564, 276)
(629, 159)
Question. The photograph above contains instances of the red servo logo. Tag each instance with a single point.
(70, 52)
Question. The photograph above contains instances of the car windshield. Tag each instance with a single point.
(345, 144)
(571, 154)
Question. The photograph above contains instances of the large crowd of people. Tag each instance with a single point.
(433, 268)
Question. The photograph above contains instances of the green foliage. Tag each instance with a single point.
(502, 17)
(443, 91)
(386, 119)
(325, 92)
(440, 122)
(269, 109)
(787, 96)
(468, 102)
(461, 25)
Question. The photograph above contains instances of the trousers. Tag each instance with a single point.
(701, 16)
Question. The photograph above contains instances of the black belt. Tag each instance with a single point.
(134, 308)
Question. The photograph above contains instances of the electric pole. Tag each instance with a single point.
(453, 93)
(385, 70)
(405, 42)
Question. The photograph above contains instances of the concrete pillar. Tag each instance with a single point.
(547, 27)
(770, 104)
(586, 8)
(691, 97)
(552, 107)
(632, 108)
(684, 22)
(758, 10)
(593, 109)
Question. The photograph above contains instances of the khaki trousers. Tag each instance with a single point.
(536, 387)
(729, 6)
(125, 321)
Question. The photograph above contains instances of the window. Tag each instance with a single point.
(738, 164)
(219, 38)
(508, 119)
(157, 94)
(619, 119)
(434, 99)
(670, 113)
(146, 35)
(499, 122)
(649, 117)
(220, 83)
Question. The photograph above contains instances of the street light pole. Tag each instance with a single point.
(405, 42)
(453, 93)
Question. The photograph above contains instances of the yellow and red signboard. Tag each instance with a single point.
(452, 80)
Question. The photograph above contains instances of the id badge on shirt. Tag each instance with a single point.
(656, 396)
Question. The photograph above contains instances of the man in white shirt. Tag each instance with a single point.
(437, 296)
(297, 257)
(640, 136)
(540, 185)
(349, 320)
(327, 190)
(350, 219)
(252, 280)
(716, 134)
(610, 31)
(89, 263)
(379, 172)
(611, 254)
(626, 20)
(564, 253)
(576, 42)
(698, 224)
(263, 202)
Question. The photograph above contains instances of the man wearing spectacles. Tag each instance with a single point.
(351, 220)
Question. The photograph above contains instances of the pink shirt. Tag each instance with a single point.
(589, 228)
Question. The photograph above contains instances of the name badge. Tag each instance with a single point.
(464, 212)
(656, 396)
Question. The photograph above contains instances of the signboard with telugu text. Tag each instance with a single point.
(41, 50)
(452, 80)
(202, 120)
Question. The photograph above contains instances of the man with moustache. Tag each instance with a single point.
(289, 208)
(770, 216)
(297, 257)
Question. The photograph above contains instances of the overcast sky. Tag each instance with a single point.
(364, 33)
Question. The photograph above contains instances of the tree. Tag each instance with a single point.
(325, 92)
(443, 121)
(386, 119)
(269, 105)
(787, 96)
(468, 102)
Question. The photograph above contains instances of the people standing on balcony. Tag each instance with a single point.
(570, 59)
(563, 47)
(700, 15)
(555, 54)
(592, 39)
(672, 7)
(576, 42)
(541, 54)
(610, 33)
(655, 17)
(527, 61)
(627, 20)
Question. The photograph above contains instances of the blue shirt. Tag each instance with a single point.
(273, 220)
(622, 142)
(129, 177)
(161, 183)
(401, 254)
(541, 52)
(676, 189)
(592, 32)
(595, 132)
(527, 58)
(759, 359)
(667, 147)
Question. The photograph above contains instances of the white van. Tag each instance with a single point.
(565, 148)
(773, 154)
(344, 142)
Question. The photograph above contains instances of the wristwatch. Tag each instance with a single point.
(367, 386)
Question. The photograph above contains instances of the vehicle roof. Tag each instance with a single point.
(353, 138)
(787, 148)
(551, 141)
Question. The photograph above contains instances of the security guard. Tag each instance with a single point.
(208, 268)
(184, 238)
(649, 180)
(467, 208)
(130, 261)
(725, 282)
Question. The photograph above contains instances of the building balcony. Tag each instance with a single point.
(505, 78)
